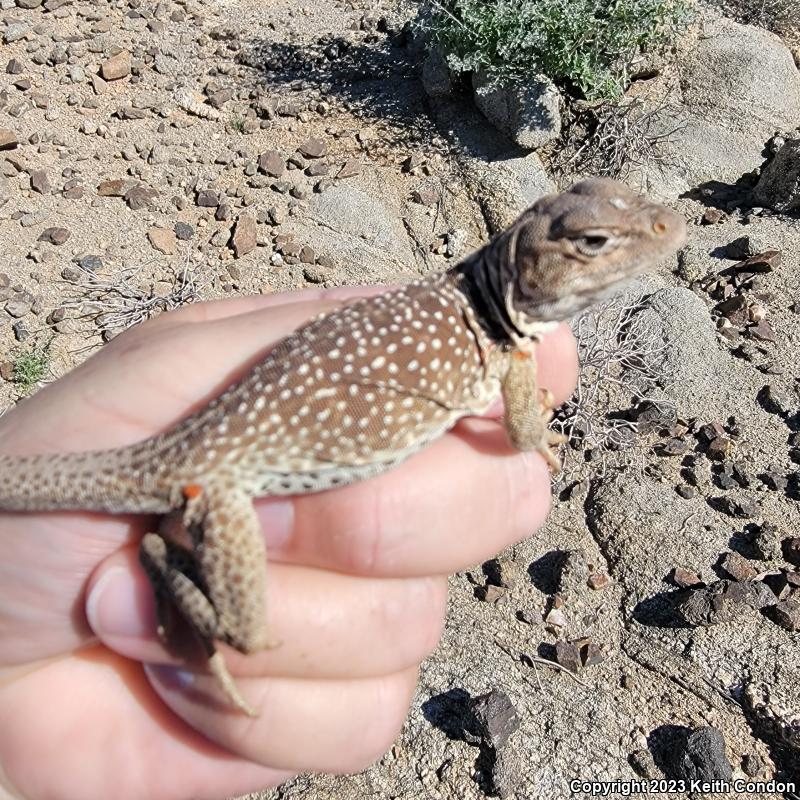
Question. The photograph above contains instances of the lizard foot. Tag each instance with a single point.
(551, 440)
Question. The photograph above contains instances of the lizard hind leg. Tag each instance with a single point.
(218, 586)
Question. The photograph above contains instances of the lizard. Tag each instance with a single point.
(349, 395)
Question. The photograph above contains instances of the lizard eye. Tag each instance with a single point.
(593, 244)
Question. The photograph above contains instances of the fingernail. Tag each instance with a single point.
(277, 520)
(111, 606)
(169, 678)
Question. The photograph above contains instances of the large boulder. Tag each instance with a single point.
(528, 112)
(738, 85)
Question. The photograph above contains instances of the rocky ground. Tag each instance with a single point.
(153, 154)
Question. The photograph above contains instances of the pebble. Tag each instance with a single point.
(272, 163)
(244, 235)
(685, 577)
(184, 231)
(313, 148)
(8, 139)
(163, 240)
(40, 182)
(55, 235)
(701, 756)
(791, 550)
(19, 305)
(116, 67)
(787, 614)
(140, 196)
(738, 567)
(349, 169)
(494, 720)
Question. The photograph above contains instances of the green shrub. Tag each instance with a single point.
(585, 46)
(30, 367)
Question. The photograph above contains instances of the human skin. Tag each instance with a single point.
(356, 598)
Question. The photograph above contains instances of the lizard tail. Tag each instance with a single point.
(100, 480)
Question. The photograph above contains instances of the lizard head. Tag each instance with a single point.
(570, 250)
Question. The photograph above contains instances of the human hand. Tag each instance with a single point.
(357, 586)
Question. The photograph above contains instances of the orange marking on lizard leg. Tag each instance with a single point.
(192, 490)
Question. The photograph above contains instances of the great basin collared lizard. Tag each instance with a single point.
(350, 395)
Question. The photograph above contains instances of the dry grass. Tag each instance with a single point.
(620, 356)
(613, 139)
(110, 305)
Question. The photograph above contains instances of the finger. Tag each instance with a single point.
(455, 503)
(325, 624)
(91, 698)
(333, 726)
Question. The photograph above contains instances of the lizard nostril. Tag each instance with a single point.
(660, 228)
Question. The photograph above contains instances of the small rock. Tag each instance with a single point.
(163, 240)
(779, 185)
(8, 139)
(568, 655)
(787, 614)
(592, 654)
(207, 198)
(7, 370)
(495, 719)
(791, 550)
(712, 216)
(55, 235)
(685, 577)
(491, 593)
(313, 148)
(556, 618)
(40, 182)
(599, 580)
(721, 602)
(272, 163)
(244, 235)
(114, 188)
(19, 305)
(116, 67)
(527, 111)
(413, 163)
(702, 757)
(315, 273)
(774, 480)
(350, 168)
(318, 169)
(767, 542)
(738, 567)
(425, 196)
(762, 331)
(758, 263)
(140, 196)
(183, 231)
(777, 400)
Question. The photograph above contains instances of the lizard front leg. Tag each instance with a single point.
(218, 587)
(528, 408)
